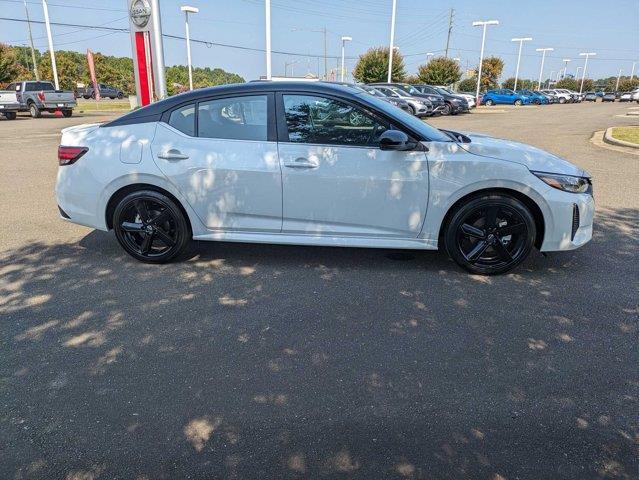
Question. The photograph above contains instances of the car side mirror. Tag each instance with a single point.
(395, 140)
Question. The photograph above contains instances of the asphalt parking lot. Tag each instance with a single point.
(258, 361)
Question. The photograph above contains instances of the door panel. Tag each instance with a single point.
(231, 184)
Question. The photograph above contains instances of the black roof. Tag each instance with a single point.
(154, 111)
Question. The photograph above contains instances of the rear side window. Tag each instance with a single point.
(183, 119)
(235, 118)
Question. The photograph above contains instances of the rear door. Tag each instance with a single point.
(221, 153)
(336, 181)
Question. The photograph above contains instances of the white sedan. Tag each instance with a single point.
(316, 164)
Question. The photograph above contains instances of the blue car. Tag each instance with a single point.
(534, 97)
(504, 96)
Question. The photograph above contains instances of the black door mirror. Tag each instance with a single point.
(395, 140)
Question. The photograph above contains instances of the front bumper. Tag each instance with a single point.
(566, 229)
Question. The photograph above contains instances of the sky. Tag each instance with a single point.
(611, 29)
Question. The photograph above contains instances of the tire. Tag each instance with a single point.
(10, 115)
(34, 111)
(537, 101)
(67, 113)
(447, 109)
(93, 95)
(562, 100)
(518, 103)
(412, 109)
(120, 95)
(489, 103)
(490, 234)
(151, 227)
(86, 97)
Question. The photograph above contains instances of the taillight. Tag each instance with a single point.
(70, 155)
(41, 96)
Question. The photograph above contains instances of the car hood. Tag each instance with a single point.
(527, 155)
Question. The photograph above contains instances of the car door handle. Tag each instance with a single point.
(172, 154)
(301, 162)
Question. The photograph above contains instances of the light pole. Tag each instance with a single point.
(344, 40)
(577, 72)
(481, 54)
(267, 19)
(428, 55)
(583, 73)
(550, 78)
(54, 67)
(566, 60)
(521, 42)
(186, 9)
(392, 40)
(618, 77)
(543, 58)
(634, 64)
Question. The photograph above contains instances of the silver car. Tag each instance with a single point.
(420, 107)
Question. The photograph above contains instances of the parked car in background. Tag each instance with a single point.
(470, 98)
(9, 105)
(625, 97)
(454, 104)
(436, 100)
(419, 106)
(635, 94)
(577, 97)
(562, 97)
(106, 91)
(609, 97)
(536, 98)
(552, 98)
(590, 97)
(36, 97)
(504, 96)
(344, 169)
(398, 102)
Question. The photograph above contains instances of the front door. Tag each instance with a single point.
(336, 181)
(220, 155)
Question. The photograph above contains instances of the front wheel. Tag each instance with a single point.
(518, 103)
(562, 100)
(67, 113)
(447, 109)
(150, 227)
(411, 110)
(490, 234)
(120, 95)
(489, 103)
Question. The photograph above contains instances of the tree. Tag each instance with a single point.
(412, 79)
(9, 67)
(372, 66)
(439, 71)
(626, 85)
(568, 83)
(491, 69)
(177, 78)
(468, 85)
(522, 84)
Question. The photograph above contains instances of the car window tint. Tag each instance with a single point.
(183, 119)
(237, 118)
(320, 120)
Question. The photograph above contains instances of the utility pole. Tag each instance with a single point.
(33, 57)
(450, 29)
(54, 67)
(392, 40)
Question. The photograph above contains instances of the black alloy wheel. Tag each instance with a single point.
(490, 234)
(150, 227)
(447, 109)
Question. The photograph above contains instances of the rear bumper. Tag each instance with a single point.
(56, 105)
(10, 107)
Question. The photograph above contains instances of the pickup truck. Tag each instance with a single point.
(37, 97)
(9, 105)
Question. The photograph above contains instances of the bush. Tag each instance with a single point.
(439, 71)
(372, 66)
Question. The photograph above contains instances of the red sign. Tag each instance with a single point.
(96, 90)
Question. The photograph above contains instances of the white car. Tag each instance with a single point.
(316, 164)
(469, 98)
(635, 95)
(563, 96)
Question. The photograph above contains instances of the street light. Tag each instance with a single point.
(550, 78)
(392, 40)
(583, 73)
(566, 60)
(634, 64)
(344, 40)
(54, 67)
(543, 57)
(481, 55)
(267, 20)
(618, 77)
(187, 9)
(521, 42)
(428, 55)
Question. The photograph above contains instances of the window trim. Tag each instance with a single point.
(282, 126)
(271, 129)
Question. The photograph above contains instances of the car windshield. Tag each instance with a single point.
(412, 90)
(399, 92)
(441, 90)
(447, 90)
(373, 91)
(410, 121)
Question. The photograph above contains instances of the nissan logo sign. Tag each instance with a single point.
(140, 12)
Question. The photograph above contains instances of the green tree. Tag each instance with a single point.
(177, 78)
(439, 71)
(626, 85)
(491, 69)
(9, 66)
(372, 66)
(412, 79)
(568, 83)
(468, 85)
(522, 84)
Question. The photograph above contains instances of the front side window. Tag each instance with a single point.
(236, 118)
(320, 120)
(183, 119)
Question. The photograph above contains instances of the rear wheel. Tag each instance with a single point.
(34, 111)
(411, 109)
(489, 102)
(518, 102)
(67, 113)
(562, 100)
(447, 109)
(10, 115)
(120, 95)
(490, 234)
(150, 227)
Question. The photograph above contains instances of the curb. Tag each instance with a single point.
(608, 138)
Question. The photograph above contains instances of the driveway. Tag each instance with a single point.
(258, 361)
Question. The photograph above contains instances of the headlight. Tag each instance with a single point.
(567, 183)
